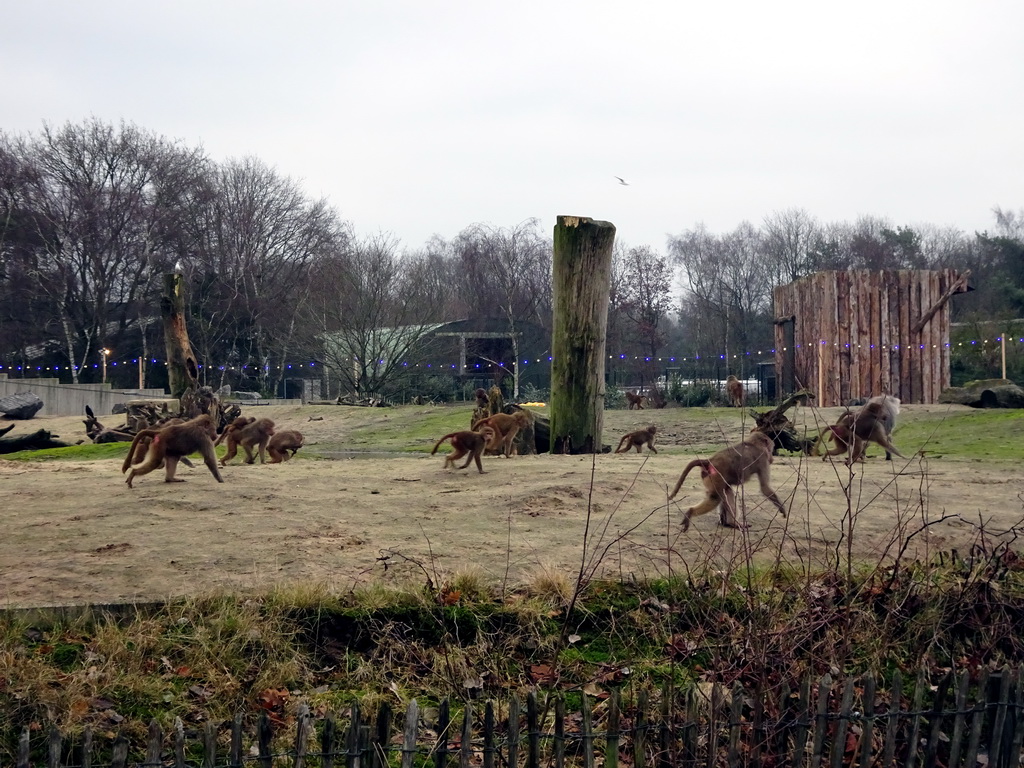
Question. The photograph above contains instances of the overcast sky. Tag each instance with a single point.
(422, 117)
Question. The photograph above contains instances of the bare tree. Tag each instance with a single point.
(508, 272)
(644, 295)
(789, 236)
(374, 311)
(727, 288)
(252, 239)
(95, 213)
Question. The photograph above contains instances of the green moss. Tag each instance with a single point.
(84, 452)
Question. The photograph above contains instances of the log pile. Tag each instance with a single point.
(780, 429)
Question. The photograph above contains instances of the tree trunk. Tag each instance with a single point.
(581, 284)
(182, 369)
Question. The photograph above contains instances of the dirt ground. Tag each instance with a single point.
(74, 533)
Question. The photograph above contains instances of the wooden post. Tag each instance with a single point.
(581, 283)
(1002, 345)
(182, 369)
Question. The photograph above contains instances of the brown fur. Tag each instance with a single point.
(169, 445)
(281, 443)
(732, 466)
(635, 401)
(735, 389)
(637, 439)
(465, 442)
(256, 433)
(505, 427)
(238, 423)
(871, 423)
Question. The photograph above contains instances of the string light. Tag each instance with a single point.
(447, 365)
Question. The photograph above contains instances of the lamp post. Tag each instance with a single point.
(103, 356)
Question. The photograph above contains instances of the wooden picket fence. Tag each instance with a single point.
(956, 723)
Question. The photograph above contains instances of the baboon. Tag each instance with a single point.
(143, 445)
(256, 433)
(637, 439)
(168, 445)
(635, 401)
(732, 466)
(238, 423)
(735, 389)
(281, 443)
(481, 398)
(871, 423)
(505, 426)
(465, 442)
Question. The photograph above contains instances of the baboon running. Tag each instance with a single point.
(465, 442)
(171, 444)
(871, 423)
(732, 466)
(637, 439)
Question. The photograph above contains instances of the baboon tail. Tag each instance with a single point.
(438, 443)
(131, 449)
(702, 463)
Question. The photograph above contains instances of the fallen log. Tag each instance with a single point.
(35, 441)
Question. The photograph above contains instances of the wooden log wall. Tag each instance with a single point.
(861, 333)
(959, 721)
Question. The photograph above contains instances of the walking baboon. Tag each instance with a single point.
(635, 400)
(732, 466)
(871, 423)
(637, 439)
(465, 442)
(256, 433)
(735, 389)
(505, 427)
(169, 445)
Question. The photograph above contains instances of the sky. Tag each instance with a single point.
(417, 118)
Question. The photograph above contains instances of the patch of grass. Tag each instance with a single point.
(83, 452)
(979, 435)
(204, 659)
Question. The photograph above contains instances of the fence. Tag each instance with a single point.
(961, 721)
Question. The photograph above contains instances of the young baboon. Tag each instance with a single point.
(505, 427)
(871, 423)
(465, 442)
(635, 401)
(169, 445)
(238, 423)
(732, 466)
(481, 398)
(735, 389)
(256, 433)
(281, 443)
(637, 439)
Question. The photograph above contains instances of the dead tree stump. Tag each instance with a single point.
(581, 282)
(182, 368)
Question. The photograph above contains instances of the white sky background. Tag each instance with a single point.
(421, 117)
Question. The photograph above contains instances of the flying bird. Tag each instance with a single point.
(622, 181)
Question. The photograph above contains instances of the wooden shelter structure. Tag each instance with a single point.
(858, 333)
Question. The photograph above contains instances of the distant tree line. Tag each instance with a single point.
(92, 214)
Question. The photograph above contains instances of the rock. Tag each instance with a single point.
(985, 393)
(21, 405)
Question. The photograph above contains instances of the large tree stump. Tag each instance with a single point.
(182, 368)
(581, 283)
